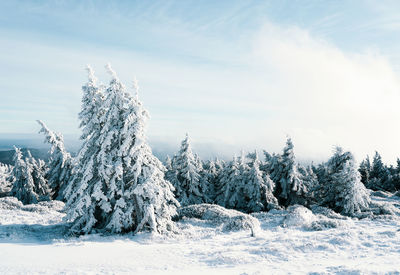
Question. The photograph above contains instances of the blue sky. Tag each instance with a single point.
(233, 74)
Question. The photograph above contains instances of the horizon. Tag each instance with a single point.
(233, 74)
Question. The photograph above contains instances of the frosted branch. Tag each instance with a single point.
(111, 71)
(90, 71)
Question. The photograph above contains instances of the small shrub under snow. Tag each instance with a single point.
(298, 216)
(231, 220)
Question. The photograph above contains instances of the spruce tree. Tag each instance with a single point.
(209, 176)
(258, 189)
(5, 178)
(379, 177)
(60, 163)
(189, 187)
(395, 176)
(29, 184)
(228, 181)
(171, 173)
(85, 167)
(244, 187)
(341, 188)
(284, 171)
(126, 189)
(365, 170)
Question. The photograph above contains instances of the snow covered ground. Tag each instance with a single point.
(34, 240)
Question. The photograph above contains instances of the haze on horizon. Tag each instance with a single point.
(233, 74)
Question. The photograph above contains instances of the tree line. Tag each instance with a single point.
(115, 183)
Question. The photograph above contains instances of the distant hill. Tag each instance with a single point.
(7, 156)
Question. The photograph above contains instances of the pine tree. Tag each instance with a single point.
(284, 171)
(209, 176)
(379, 177)
(189, 187)
(228, 181)
(60, 162)
(5, 178)
(395, 176)
(341, 188)
(126, 189)
(272, 166)
(85, 164)
(171, 173)
(258, 189)
(244, 187)
(39, 170)
(29, 184)
(365, 170)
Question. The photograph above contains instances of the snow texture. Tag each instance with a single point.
(33, 240)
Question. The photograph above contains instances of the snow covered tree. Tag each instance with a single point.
(60, 162)
(171, 172)
(209, 176)
(395, 176)
(341, 188)
(258, 189)
(365, 170)
(284, 171)
(29, 184)
(245, 187)
(310, 180)
(379, 176)
(272, 166)
(85, 164)
(231, 179)
(189, 187)
(5, 178)
(125, 190)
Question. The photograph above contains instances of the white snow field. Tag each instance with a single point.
(34, 240)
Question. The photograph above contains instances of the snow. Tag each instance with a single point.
(34, 239)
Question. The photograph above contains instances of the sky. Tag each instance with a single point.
(232, 74)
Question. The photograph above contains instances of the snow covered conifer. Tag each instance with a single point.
(5, 178)
(244, 187)
(379, 176)
(29, 184)
(38, 169)
(365, 170)
(290, 188)
(310, 180)
(258, 189)
(60, 162)
(272, 166)
(85, 164)
(230, 179)
(341, 188)
(171, 173)
(23, 186)
(92, 102)
(189, 188)
(209, 175)
(125, 190)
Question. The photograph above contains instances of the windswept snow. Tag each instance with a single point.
(33, 240)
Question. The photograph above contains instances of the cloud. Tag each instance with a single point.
(328, 96)
(245, 88)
